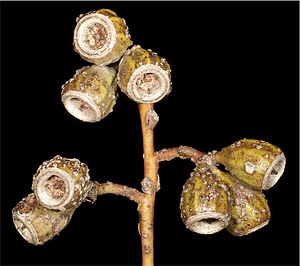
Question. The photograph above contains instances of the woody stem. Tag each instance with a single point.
(149, 183)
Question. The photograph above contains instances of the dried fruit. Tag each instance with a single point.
(62, 183)
(256, 163)
(37, 224)
(204, 203)
(144, 76)
(248, 208)
(101, 37)
(91, 94)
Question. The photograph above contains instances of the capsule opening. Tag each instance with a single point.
(274, 172)
(25, 229)
(94, 35)
(81, 106)
(207, 223)
(149, 84)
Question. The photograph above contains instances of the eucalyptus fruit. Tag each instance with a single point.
(256, 163)
(144, 76)
(91, 94)
(101, 37)
(38, 224)
(204, 203)
(248, 208)
(211, 199)
(62, 183)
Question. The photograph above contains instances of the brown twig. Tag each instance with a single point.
(182, 152)
(117, 189)
(149, 185)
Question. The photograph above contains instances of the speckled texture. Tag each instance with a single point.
(121, 36)
(136, 59)
(91, 94)
(72, 172)
(206, 197)
(256, 163)
(36, 223)
(248, 208)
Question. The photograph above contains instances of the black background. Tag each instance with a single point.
(235, 75)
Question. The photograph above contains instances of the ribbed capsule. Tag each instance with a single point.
(256, 163)
(144, 76)
(37, 224)
(62, 183)
(91, 94)
(248, 208)
(204, 203)
(101, 37)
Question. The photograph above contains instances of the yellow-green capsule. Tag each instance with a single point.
(248, 208)
(37, 224)
(61, 183)
(204, 203)
(144, 76)
(101, 37)
(256, 163)
(91, 94)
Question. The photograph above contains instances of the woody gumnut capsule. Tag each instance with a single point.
(101, 37)
(144, 76)
(38, 224)
(255, 163)
(62, 183)
(91, 94)
(248, 208)
(204, 203)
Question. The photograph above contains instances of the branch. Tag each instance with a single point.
(117, 189)
(149, 184)
(182, 152)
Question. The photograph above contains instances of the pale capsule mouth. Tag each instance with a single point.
(55, 188)
(25, 229)
(81, 106)
(94, 35)
(207, 223)
(274, 172)
(148, 84)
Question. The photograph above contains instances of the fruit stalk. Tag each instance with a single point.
(149, 186)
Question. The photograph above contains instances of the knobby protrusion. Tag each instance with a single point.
(152, 119)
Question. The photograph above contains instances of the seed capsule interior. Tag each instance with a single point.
(94, 35)
(61, 183)
(101, 37)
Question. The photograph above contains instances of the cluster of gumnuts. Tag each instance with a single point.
(211, 199)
